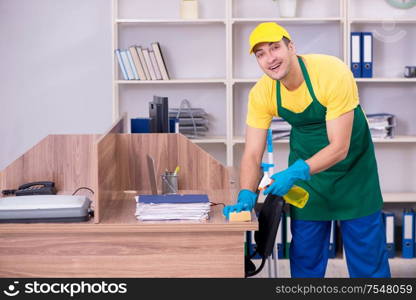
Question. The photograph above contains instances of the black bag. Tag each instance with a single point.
(269, 220)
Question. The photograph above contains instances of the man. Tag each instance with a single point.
(331, 155)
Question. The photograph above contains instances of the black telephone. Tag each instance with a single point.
(36, 188)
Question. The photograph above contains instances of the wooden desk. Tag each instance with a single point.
(114, 243)
(121, 246)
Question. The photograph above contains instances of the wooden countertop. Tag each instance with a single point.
(119, 217)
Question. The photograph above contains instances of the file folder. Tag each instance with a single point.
(332, 240)
(356, 54)
(253, 246)
(121, 64)
(389, 221)
(367, 54)
(408, 234)
(288, 236)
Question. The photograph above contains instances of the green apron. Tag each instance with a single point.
(349, 189)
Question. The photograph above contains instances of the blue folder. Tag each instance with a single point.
(173, 198)
(367, 54)
(355, 51)
(142, 125)
(288, 235)
(389, 220)
(121, 64)
(408, 240)
(252, 245)
(332, 240)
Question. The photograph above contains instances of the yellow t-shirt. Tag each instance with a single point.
(332, 82)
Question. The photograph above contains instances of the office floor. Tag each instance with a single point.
(337, 268)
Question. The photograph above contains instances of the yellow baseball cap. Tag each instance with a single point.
(267, 32)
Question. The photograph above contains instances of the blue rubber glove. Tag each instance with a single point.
(245, 201)
(284, 180)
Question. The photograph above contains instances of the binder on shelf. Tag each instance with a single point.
(149, 63)
(367, 54)
(154, 64)
(389, 220)
(137, 63)
(143, 62)
(121, 64)
(356, 54)
(140, 125)
(332, 240)
(408, 240)
(160, 60)
(253, 246)
(288, 236)
(132, 66)
(126, 64)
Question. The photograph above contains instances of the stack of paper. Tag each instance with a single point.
(381, 125)
(193, 122)
(280, 129)
(172, 207)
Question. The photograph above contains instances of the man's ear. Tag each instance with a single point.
(291, 47)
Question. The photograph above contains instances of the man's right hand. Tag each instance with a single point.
(245, 201)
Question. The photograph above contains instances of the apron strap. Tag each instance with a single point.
(307, 79)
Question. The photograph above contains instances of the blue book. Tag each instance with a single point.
(173, 198)
(121, 64)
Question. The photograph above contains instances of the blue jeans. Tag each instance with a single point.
(364, 242)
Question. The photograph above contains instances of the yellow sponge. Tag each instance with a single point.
(242, 216)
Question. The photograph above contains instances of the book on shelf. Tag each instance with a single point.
(143, 62)
(160, 60)
(121, 64)
(126, 64)
(137, 63)
(132, 66)
(154, 64)
(149, 63)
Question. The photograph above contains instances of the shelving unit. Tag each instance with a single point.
(216, 72)
(219, 77)
(209, 65)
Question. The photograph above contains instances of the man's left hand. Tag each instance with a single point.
(284, 180)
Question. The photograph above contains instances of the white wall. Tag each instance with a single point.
(55, 71)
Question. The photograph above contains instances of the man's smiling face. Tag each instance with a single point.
(274, 58)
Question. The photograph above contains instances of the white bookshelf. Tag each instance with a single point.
(286, 20)
(173, 81)
(396, 139)
(169, 21)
